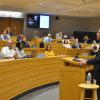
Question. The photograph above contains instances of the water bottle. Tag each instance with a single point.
(89, 79)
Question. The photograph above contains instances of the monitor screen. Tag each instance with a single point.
(33, 21)
(38, 21)
(44, 21)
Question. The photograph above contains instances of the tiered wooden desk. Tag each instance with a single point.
(13, 38)
(71, 75)
(37, 41)
(18, 76)
(86, 45)
(73, 52)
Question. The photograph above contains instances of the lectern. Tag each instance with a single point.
(71, 75)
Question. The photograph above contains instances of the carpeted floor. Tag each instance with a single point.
(48, 93)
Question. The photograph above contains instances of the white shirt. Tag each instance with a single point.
(7, 52)
(58, 36)
(96, 45)
(21, 52)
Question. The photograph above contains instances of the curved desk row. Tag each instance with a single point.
(18, 76)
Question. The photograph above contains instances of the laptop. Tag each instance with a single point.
(33, 53)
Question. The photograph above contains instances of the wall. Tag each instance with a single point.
(66, 24)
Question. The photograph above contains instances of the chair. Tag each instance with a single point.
(85, 86)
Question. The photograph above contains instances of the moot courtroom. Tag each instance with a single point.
(50, 50)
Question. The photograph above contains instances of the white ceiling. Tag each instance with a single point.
(75, 8)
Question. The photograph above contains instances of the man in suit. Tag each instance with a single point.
(5, 36)
(76, 44)
(19, 37)
(96, 62)
(86, 40)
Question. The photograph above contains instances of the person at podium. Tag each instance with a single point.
(66, 45)
(49, 52)
(76, 45)
(9, 51)
(96, 62)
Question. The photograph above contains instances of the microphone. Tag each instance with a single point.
(79, 51)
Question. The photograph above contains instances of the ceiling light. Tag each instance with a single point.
(92, 11)
(41, 3)
(58, 7)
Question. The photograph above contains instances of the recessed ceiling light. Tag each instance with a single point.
(41, 3)
(92, 11)
(0, 4)
(58, 7)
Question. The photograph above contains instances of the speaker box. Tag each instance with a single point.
(57, 18)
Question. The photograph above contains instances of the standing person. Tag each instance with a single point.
(59, 35)
(8, 30)
(5, 36)
(35, 35)
(19, 37)
(76, 44)
(96, 62)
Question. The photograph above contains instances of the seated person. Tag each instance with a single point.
(94, 51)
(76, 44)
(5, 36)
(19, 37)
(66, 45)
(35, 35)
(9, 51)
(25, 45)
(44, 35)
(65, 37)
(49, 52)
(8, 31)
(94, 44)
(86, 40)
(59, 35)
(20, 51)
(48, 39)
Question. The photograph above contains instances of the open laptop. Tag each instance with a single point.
(33, 53)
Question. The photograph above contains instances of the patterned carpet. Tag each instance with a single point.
(48, 93)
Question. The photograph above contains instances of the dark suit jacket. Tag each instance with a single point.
(74, 45)
(88, 41)
(25, 45)
(96, 62)
(10, 33)
(19, 38)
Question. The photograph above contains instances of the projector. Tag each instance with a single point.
(83, 0)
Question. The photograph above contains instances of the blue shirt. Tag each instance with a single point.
(46, 40)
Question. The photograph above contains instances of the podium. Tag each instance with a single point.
(71, 75)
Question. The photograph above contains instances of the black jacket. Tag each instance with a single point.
(19, 38)
(74, 45)
(10, 33)
(96, 62)
(88, 41)
(93, 53)
(25, 45)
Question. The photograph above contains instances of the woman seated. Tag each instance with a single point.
(20, 51)
(44, 35)
(94, 44)
(66, 45)
(49, 52)
(94, 51)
